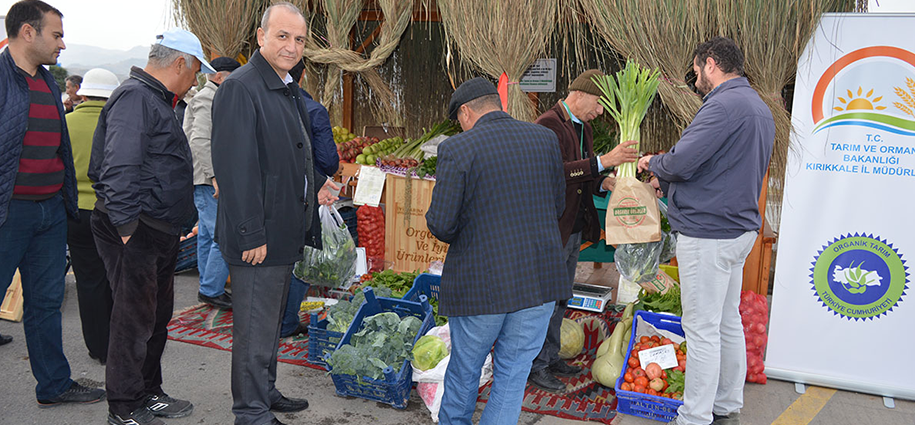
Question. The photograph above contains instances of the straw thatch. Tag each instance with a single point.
(223, 26)
(496, 36)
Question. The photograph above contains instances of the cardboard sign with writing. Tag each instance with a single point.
(632, 213)
(409, 245)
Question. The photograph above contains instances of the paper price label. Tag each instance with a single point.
(371, 183)
(665, 356)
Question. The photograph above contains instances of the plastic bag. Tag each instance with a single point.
(639, 262)
(754, 313)
(431, 383)
(668, 238)
(335, 265)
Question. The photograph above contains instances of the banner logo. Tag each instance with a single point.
(630, 212)
(888, 106)
(859, 276)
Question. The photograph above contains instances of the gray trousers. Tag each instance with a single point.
(549, 354)
(258, 297)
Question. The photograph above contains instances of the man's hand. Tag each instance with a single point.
(68, 104)
(216, 187)
(255, 256)
(328, 193)
(609, 184)
(643, 162)
(124, 239)
(656, 185)
(620, 154)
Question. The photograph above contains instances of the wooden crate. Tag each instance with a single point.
(11, 309)
(409, 245)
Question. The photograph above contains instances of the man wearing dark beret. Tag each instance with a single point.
(491, 294)
(570, 120)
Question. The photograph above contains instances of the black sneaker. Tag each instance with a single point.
(286, 404)
(564, 369)
(75, 394)
(141, 416)
(222, 301)
(168, 407)
(545, 380)
(5, 339)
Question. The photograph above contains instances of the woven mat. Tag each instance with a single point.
(586, 400)
(206, 326)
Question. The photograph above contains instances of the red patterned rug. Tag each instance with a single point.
(209, 327)
(586, 400)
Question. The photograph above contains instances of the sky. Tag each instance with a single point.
(121, 25)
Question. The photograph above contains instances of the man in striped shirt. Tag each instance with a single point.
(37, 191)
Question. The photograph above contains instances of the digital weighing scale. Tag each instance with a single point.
(590, 297)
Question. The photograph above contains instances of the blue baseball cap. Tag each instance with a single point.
(186, 42)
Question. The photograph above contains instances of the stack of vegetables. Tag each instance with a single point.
(384, 340)
(350, 150)
(341, 314)
(342, 135)
(410, 154)
(653, 380)
(668, 302)
(379, 150)
(370, 227)
(754, 313)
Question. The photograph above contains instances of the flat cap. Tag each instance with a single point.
(469, 90)
(584, 83)
(223, 63)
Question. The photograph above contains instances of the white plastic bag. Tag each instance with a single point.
(335, 264)
(431, 383)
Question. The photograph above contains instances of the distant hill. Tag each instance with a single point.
(78, 59)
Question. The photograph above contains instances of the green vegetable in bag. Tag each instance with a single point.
(428, 351)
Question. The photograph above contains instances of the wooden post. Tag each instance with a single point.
(756, 269)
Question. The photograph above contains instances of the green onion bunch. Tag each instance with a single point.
(626, 98)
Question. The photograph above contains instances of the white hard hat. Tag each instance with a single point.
(98, 82)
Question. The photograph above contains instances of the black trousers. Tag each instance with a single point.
(92, 288)
(142, 274)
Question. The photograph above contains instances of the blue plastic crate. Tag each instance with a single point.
(644, 405)
(187, 255)
(320, 340)
(425, 284)
(394, 388)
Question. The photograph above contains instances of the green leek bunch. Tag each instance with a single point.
(627, 98)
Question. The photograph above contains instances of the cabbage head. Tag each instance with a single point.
(571, 339)
(428, 351)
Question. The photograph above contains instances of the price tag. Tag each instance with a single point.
(665, 356)
(371, 183)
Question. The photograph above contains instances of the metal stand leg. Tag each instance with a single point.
(800, 388)
(889, 402)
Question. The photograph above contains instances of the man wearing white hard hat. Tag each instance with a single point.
(92, 289)
(144, 184)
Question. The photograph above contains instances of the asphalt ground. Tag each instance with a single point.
(201, 375)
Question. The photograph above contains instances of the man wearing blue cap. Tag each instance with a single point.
(527, 281)
(144, 175)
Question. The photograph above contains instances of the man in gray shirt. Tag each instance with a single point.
(713, 177)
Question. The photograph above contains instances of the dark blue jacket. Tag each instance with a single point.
(713, 175)
(258, 150)
(141, 161)
(322, 137)
(502, 221)
(14, 121)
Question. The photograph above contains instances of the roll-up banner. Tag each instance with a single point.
(842, 309)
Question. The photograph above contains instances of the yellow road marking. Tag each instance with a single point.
(806, 407)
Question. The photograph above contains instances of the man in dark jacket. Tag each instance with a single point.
(37, 192)
(712, 178)
(570, 120)
(142, 166)
(492, 294)
(268, 204)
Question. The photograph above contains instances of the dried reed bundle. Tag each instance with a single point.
(496, 36)
(223, 26)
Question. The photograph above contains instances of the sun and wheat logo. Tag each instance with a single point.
(859, 276)
(887, 105)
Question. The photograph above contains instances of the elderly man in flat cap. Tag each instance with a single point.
(570, 120)
(490, 294)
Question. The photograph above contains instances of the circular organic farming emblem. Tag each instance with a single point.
(629, 212)
(859, 277)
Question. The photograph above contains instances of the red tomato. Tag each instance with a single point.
(628, 377)
(644, 339)
(641, 381)
(633, 362)
(655, 339)
(626, 386)
(637, 372)
(639, 389)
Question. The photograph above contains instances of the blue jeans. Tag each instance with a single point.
(34, 239)
(213, 269)
(297, 290)
(518, 337)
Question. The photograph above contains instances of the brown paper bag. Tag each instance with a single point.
(632, 213)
